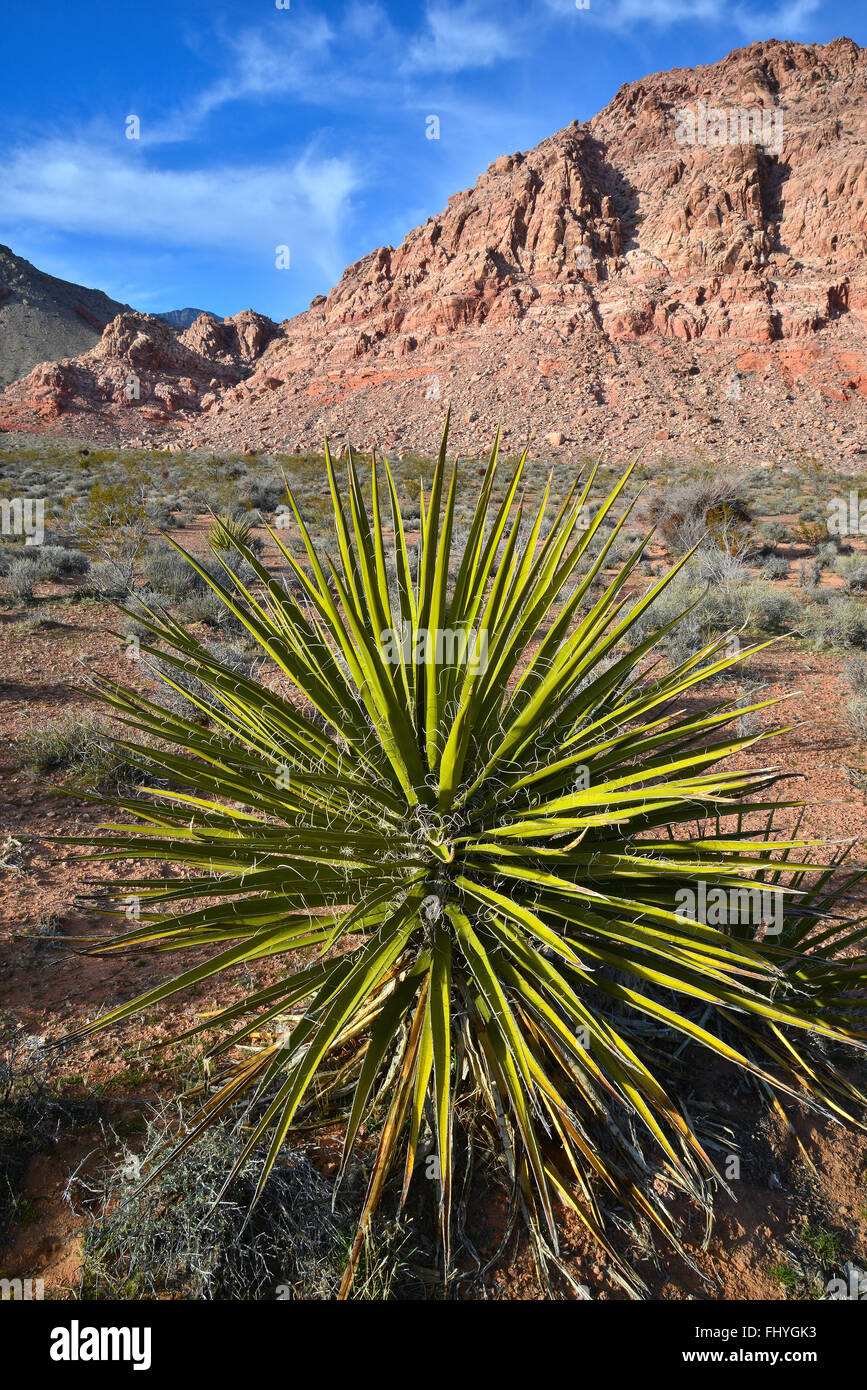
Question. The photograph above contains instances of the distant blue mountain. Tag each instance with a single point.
(182, 318)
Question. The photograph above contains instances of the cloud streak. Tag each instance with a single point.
(80, 187)
(459, 37)
(790, 19)
(262, 66)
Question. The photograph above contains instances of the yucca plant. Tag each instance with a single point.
(469, 802)
(228, 533)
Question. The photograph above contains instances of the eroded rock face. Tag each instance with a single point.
(141, 365)
(232, 341)
(624, 277)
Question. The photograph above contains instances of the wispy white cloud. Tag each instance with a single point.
(260, 65)
(80, 187)
(790, 19)
(459, 37)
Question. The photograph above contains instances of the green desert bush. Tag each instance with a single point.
(463, 826)
(812, 529)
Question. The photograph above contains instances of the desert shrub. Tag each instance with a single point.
(166, 572)
(8, 555)
(812, 532)
(113, 523)
(160, 514)
(69, 561)
(827, 555)
(22, 578)
(751, 721)
(56, 561)
(770, 610)
(809, 574)
(775, 567)
(205, 607)
(80, 746)
(857, 711)
(717, 565)
(699, 611)
(852, 569)
(14, 551)
(264, 493)
(499, 833)
(114, 505)
(843, 623)
(184, 1235)
(716, 504)
(47, 925)
(775, 532)
(855, 675)
(106, 580)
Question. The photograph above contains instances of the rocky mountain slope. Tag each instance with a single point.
(688, 269)
(41, 316)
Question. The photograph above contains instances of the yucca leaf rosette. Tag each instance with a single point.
(464, 802)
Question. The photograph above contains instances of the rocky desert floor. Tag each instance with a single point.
(69, 1116)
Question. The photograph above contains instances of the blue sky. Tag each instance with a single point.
(305, 127)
